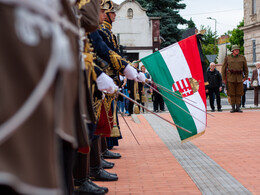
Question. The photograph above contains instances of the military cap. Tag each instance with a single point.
(112, 9)
(106, 5)
(234, 47)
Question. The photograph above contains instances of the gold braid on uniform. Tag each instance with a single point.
(89, 57)
(107, 105)
(108, 100)
(136, 91)
(102, 26)
(108, 26)
(116, 60)
(91, 75)
(97, 103)
(81, 3)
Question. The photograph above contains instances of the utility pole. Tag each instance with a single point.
(215, 47)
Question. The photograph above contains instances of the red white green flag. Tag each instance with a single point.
(178, 68)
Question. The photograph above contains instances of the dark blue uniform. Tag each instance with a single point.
(110, 40)
(116, 62)
(108, 37)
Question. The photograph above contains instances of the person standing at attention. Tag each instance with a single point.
(234, 67)
(245, 86)
(256, 79)
(214, 87)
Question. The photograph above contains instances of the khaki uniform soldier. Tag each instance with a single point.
(234, 72)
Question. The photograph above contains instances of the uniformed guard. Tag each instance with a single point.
(106, 29)
(96, 81)
(96, 170)
(110, 39)
(40, 107)
(101, 52)
(233, 69)
(117, 64)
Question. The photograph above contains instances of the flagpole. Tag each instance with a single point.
(128, 126)
(177, 105)
(130, 99)
(169, 92)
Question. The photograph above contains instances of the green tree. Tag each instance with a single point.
(209, 37)
(190, 23)
(237, 37)
(208, 43)
(168, 10)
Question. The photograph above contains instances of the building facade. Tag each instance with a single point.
(223, 41)
(135, 30)
(251, 30)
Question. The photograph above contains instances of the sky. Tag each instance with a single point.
(228, 13)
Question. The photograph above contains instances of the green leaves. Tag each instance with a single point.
(237, 37)
(168, 10)
(209, 43)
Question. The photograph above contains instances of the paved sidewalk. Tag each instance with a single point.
(225, 160)
(224, 103)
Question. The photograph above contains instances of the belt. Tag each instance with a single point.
(235, 71)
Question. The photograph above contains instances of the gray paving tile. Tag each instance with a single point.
(135, 118)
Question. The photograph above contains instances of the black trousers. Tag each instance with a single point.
(212, 92)
(68, 160)
(131, 105)
(243, 99)
(158, 101)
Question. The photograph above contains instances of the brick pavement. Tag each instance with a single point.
(231, 141)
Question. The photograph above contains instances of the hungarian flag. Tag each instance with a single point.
(178, 68)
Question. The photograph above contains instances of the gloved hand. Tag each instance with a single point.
(148, 80)
(130, 72)
(141, 77)
(105, 83)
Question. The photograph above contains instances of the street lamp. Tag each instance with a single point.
(215, 49)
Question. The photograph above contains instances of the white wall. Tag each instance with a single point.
(135, 32)
(223, 51)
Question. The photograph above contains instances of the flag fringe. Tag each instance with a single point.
(192, 137)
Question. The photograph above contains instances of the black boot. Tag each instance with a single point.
(102, 158)
(238, 108)
(87, 182)
(110, 155)
(99, 174)
(87, 187)
(233, 108)
(106, 165)
(110, 173)
(103, 144)
(101, 187)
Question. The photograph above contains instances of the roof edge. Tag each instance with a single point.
(126, 1)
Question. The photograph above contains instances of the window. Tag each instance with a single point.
(130, 13)
(254, 50)
(253, 6)
(132, 56)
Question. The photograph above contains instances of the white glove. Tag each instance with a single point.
(141, 77)
(105, 83)
(130, 72)
(148, 80)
